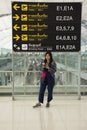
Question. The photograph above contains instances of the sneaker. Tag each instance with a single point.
(48, 104)
(37, 105)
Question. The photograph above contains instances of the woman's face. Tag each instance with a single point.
(47, 57)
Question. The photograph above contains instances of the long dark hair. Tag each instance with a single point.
(51, 57)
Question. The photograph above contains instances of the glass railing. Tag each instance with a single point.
(21, 70)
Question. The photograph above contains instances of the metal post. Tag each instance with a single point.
(12, 76)
(66, 72)
(79, 74)
(25, 71)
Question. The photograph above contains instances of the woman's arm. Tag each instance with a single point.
(52, 68)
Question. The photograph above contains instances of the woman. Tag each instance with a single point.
(48, 68)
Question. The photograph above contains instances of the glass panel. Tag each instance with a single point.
(83, 81)
(33, 61)
(84, 62)
(4, 52)
(72, 61)
(19, 79)
(18, 61)
(66, 78)
(84, 78)
(59, 58)
(32, 78)
(6, 64)
(28, 79)
(5, 79)
(60, 78)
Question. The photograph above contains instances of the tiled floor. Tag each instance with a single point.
(63, 114)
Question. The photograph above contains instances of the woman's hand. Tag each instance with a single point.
(47, 67)
(43, 65)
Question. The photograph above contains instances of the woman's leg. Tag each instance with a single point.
(41, 92)
(41, 95)
(50, 92)
(50, 87)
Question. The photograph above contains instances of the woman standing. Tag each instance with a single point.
(48, 68)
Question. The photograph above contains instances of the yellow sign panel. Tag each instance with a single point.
(24, 7)
(24, 17)
(24, 37)
(24, 27)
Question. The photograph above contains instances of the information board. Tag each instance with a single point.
(46, 26)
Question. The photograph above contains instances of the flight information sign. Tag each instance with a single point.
(46, 26)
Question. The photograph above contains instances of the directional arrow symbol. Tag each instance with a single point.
(16, 27)
(16, 37)
(16, 17)
(16, 7)
(15, 45)
(18, 48)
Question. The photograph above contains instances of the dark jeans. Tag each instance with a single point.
(49, 83)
